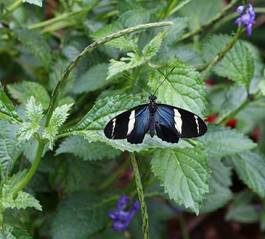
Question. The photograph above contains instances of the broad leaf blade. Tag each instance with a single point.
(183, 174)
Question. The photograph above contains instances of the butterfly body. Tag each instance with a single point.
(169, 123)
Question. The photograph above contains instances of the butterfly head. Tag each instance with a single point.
(152, 98)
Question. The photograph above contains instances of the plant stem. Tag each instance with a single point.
(210, 23)
(88, 49)
(222, 53)
(12, 7)
(24, 182)
(183, 227)
(140, 192)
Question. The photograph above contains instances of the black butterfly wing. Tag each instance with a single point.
(173, 123)
(131, 124)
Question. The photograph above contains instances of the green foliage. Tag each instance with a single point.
(238, 63)
(69, 224)
(34, 114)
(220, 142)
(81, 148)
(250, 168)
(35, 2)
(133, 59)
(219, 183)
(59, 116)
(176, 171)
(10, 149)
(183, 87)
(24, 90)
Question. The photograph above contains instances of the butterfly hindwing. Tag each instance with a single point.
(131, 124)
(173, 123)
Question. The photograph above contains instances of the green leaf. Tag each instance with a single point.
(22, 201)
(202, 13)
(10, 148)
(219, 183)
(59, 116)
(184, 175)
(134, 60)
(34, 114)
(122, 43)
(24, 90)
(93, 79)
(183, 87)
(92, 125)
(250, 168)
(85, 150)
(238, 63)
(36, 44)
(134, 17)
(78, 217)
(262, 87)
(153, 46)
(241, 210)
(35, 2)
(220, 141)
(7, 109)
(11, 232)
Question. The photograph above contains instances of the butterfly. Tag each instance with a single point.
(168, 122)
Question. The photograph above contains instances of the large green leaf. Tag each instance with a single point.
(238, 63)
(219, 183)
(250, 167)
(220, 141)
(93, 79)
(184, 175)
(182, 87)
(35, 43)
(78, 217)
(24, 90)
(85, 150)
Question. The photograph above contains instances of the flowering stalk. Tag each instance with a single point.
(140, 192)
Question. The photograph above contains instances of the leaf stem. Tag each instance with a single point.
(90, 48)
(183, 227)
(12, 7)
(222, 53)
(24, 182)
(210, 23)
(140, 192)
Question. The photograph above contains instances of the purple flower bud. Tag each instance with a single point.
(246, 18)
(123, 214)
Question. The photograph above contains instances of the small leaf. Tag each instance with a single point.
(85, 150)
(34, 114)
(24, 90)
(10, 148)
(238, 63)
(219, 183)
(93, 79)
(183, 87)
(250, 167)
(134, 60)
(35, 2)
(184, 175)
(36, 44)
(153, 46)
(7, 109)
(262, 87)
(59, 116)
(22, 201)
(220, 141)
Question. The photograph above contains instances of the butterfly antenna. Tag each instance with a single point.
(164, 78)
(137, 83)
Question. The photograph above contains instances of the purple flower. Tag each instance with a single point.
(246, 18)
(123, 215)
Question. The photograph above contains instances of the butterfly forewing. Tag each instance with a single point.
(132, 124)
(181, 123)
